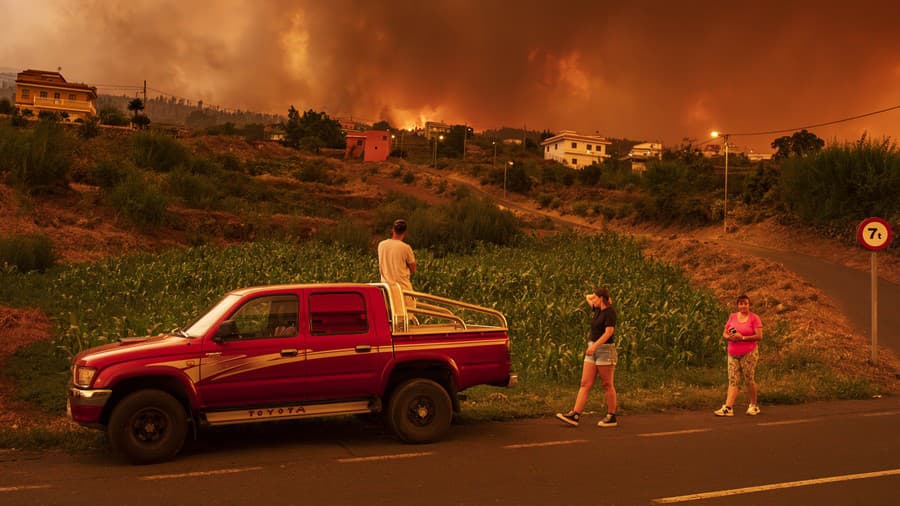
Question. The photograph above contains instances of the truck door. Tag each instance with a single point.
(259, 359)
(345, 354)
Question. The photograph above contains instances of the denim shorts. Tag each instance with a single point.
(606, 354)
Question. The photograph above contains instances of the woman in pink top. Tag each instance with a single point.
(743, 332)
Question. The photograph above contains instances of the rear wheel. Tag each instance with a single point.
(420, 411)
(147, 426)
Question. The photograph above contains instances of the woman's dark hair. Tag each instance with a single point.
(741, 297)
(603, 293)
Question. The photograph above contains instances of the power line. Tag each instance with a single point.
(827, 123)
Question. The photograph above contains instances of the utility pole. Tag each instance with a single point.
(145, 93)
(524, 131)
(465, 135)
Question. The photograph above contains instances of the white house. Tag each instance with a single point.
(640, 153)
(575, 150)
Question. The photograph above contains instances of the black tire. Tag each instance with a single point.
(147, 426)
(420, 411)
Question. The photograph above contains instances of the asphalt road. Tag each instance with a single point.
(849, 288)
(842, 453)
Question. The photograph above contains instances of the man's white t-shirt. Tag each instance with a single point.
(394, 259)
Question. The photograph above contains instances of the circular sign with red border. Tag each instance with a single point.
(874, 234)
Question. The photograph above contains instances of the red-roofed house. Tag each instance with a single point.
(575, 150)
(371, 145)
(40, 90)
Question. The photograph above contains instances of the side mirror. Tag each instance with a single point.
(227, 331)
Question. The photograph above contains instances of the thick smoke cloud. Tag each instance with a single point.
(654, 70)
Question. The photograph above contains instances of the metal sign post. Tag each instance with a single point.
(874, 234)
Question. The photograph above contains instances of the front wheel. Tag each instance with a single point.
(420, 411)
(147, 426)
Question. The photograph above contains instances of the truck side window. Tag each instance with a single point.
(266, 317)
(337, 313)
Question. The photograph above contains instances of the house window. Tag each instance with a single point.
(574, 145)
(556, 146)
(547, 148)
(384, 137)
(359, 142)
(72, 96)
(56, 95)
(43, 94)
(588, 147)
(575, 161)
(25, 92)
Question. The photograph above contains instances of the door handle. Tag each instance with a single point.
(214, 354)
(291, 352)
(363, 348)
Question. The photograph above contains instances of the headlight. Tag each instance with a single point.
(83, 376)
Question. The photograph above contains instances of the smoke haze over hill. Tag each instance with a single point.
(656, 70)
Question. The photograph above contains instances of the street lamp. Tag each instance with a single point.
(725, 205)
(434, 155)
(505, 170)
(494, 163)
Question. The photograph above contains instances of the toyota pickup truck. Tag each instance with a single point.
(293, 351)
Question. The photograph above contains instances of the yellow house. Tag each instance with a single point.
(40, 90)
(575, 150)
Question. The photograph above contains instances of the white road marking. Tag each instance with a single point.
(674, 432)
(547, 443)
(22, 487)
(385, 457)
(199, 473)
(775, 486)
(790, 422)
(883, 413)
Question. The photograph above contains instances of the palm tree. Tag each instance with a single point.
(135, 106)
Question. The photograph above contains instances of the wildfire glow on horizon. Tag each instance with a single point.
(654, 71)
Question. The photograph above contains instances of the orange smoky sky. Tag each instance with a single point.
(654, 70)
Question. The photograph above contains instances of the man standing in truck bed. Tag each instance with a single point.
(396, 260)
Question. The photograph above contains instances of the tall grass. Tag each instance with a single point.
(37, 160)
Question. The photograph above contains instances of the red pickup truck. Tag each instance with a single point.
(293, 351)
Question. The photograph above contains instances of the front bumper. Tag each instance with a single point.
(86, 406)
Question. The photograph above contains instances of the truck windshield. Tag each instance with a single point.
(201, 325)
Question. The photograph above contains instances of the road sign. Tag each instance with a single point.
(874, 234)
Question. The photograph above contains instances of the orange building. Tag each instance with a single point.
(40, 90)
(371, 145)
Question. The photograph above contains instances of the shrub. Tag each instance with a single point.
(108, 173)
(113, 117)
(314, 170)
(230, 162)
(6, 106)
(349, 234)
(28, 252)
(581, 208)
(844, 182)
(88, 129)
(158, 151)
(195, 190)
(139, 202)
(462, 225)
(409, 177)
(38, 160)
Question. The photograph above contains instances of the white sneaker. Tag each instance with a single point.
(724, 411)
(753, 409)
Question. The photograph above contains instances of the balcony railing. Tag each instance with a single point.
(62, 104)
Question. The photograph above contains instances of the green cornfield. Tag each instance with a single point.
(539, 285)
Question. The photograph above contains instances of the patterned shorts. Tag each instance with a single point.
(742, 369)
(606, 354)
